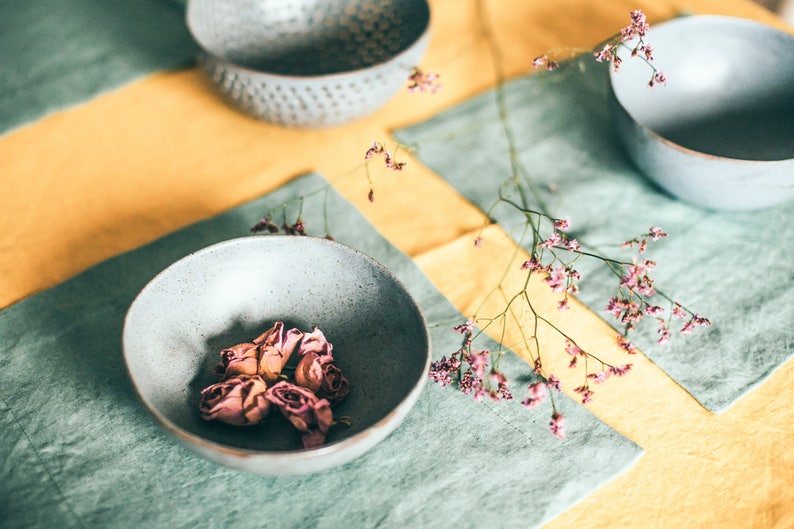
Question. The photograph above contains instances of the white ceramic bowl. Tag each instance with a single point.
(231, 292)
(720, 134)
(309, 63)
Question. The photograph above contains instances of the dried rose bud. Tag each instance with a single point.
(315, 342)
(242, 359)
(275, 349)
(309, 414)
(239, 401)
(322, 376)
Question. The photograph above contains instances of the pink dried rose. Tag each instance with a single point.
(238, 400)
(310, 414)
(242, 359)
(275, 349)
(315, 342)
(322, 376)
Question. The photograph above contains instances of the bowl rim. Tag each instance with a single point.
(420, 40)
(302, 455)
(670, 143)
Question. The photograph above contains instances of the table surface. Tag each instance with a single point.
(136, 163)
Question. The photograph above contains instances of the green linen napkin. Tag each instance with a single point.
(57, 53)
(733, 268)
(78, 450)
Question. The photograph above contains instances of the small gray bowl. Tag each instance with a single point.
(231, 292)
(720, 134)
(309, 63)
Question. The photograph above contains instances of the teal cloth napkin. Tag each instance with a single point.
(58, 53)
(733, 268)
(78, 450)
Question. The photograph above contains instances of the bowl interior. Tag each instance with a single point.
(231, 292)
(729, 89)
(307, 37)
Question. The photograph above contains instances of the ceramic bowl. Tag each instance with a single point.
(310, 63)
(233, 291)
(720, 133)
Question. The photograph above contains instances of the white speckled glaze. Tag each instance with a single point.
(309, 63)
(230, 292)
(720, 134)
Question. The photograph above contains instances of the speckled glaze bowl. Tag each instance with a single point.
(309, 63)
(720, 134)
(231, 292)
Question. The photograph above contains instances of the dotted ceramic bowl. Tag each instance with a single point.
(309, 63)
(230, 293)
(720, 134)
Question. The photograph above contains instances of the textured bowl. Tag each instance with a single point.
(309, 63)
(720, 134)
(231, 292)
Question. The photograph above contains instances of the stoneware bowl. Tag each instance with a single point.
(233, 291)
(720, 134)
(309, 63)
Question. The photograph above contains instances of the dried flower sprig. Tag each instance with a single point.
(607, 51)
(377, 149)
(553, 259)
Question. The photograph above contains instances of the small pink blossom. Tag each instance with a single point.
(544, 61)
(563, 305)
(532, 264)
(586, 393)
(562, 224)
(663, 331)
(656, 233)
(423, 82)
(479, 361)
(626, 345)
(377, 149)
(620, 371)
(557, 279)
(606, 54)
(536, 394)
(554, 383)
(638, 28)
(502, 390)
(573, 349)
(599, 377)
(445, 370)
(265, 224)
(464, 328)
(679, 311)
(572, 244)
(653, 310)
(658, 78)
(553, 240)
(557, 425)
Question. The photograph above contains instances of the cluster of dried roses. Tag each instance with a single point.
(252, 382)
